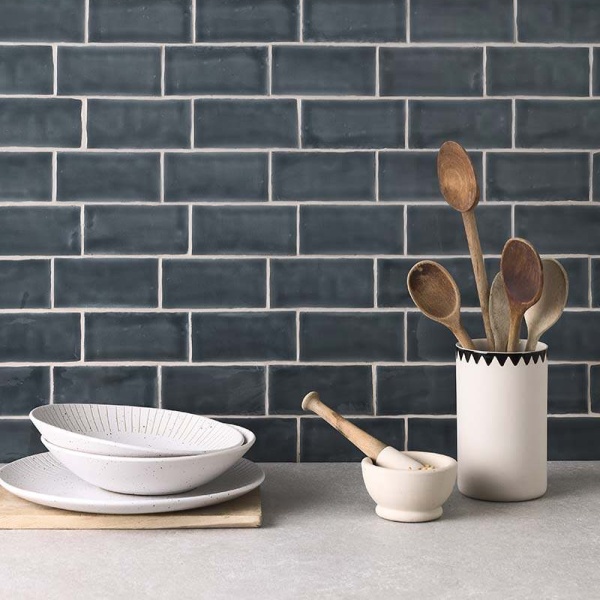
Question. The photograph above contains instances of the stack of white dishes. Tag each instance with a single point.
(130, 459)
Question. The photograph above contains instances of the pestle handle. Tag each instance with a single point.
(368, 444)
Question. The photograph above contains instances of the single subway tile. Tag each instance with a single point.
(40, 122)
(214, 283)
(31, 230)
(276, 439)
(237, 21)
(347, 389)
(26, 70)
(472, 123)
(136, 230)
(439, 229)
(431, 71)
(215, 70)
(432, 435)
(537, 176)
(321, 282)
(42, 21)
(573, 438)
(136, 336)
(26, 176)
(537, 71)
(245, 123)
(557, 21)
(111, 71)
(131, 386)
(319, 442)
(412, 175)
(558, 124)
(214, 390)
(574, 337)
(108, 176)
(353, 123)
(415, 389)
(244, 230)
(140, 21)
(559, 229)
(351, 229)
(353, 20)
(568, 388)
(579, 277)
(22, 389)
(105, 282)
(352, 336)
(240, 336)
(318, 176)
(216, 176)
(39, 337)
(138, 124)
(25, 284)
(322, 71)
(461, 21)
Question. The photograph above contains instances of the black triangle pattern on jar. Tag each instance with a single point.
(501, 357)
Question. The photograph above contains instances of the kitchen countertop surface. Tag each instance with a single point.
(321, 539)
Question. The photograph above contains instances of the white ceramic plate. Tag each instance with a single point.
(42, 479)
(151, 476)
(132, 430)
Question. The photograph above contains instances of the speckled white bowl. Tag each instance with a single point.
(411, 496)
(150, 476)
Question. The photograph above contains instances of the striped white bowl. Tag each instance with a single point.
(132, 430)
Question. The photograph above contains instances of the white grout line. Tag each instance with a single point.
(270, 176)
(297, 336)
(513, 123)
(161, 177)
(162, 70)
(405, 230)
(406, 125)
(159, 399)
(269, 70)
(484, 176)
(192, 125)
(377, 177)
(193, 19)
(589, 389)
(82, 327)
(375, 283)
(160, 283)
(299, 111)
(86, 25)
(267, 390)
(407, 19)
(377, 70)
(512, 220)
(405, 326)
(591, 180)
(405, 433)
(591, 51)
(84, 119)
(298, 230)
(189, 340)
(301, 21)
(51, 386)
(590, 293)
(268, 289)
(515, 22)
(82, 228)
(190, 230)
(52, 282)
(298, 455)
(54, 69)
(484, 72)
(374, 388)
(54, 176)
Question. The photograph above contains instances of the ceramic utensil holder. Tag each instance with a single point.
(501, 404)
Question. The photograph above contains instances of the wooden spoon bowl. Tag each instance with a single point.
(456, 175)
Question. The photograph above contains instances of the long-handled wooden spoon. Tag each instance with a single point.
(499, 313)
(381, 454)
(436, 294)
(523, 276)
(541, 316)
(458, 185)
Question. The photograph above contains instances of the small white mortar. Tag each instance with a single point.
(411, 496)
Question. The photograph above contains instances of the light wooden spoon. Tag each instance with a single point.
(436, 294)
(523, 276)
(458, 185)
(381, 454)
(543, 315)
(499, 313)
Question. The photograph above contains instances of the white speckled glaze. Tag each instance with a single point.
(132, 430)
(411, 496)
(150, 476)
(42, 479)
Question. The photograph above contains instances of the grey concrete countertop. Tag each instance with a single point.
(322, 539)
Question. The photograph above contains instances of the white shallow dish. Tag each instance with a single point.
(42, 479)
(132, 430)
(150, 476)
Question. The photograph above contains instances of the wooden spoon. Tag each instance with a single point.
(541, 316)
(381, 454)
(523, 276)
(458, 185)
(436, 294)
(499, 313)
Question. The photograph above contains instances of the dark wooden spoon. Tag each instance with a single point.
(523, 276)
(458, 185)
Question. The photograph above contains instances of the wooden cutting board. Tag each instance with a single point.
(16, 513)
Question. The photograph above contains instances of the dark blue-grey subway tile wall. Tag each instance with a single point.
(213, 205)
